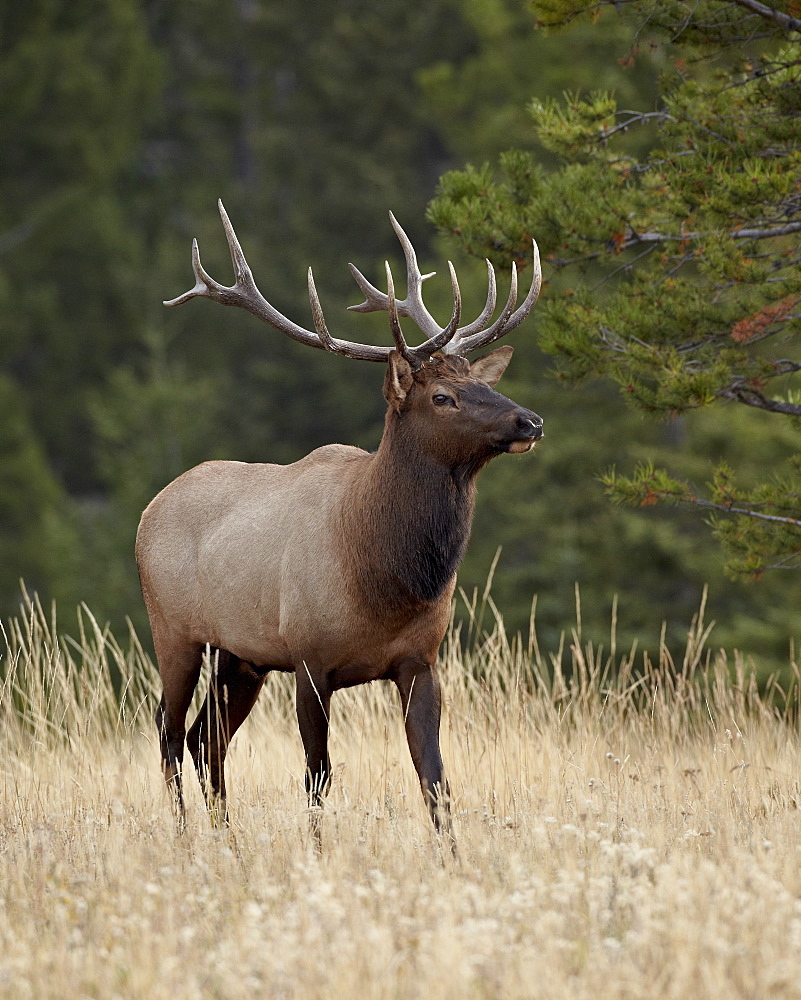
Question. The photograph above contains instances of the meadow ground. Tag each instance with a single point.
(624, 830)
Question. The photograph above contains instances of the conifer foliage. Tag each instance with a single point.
(674, 238)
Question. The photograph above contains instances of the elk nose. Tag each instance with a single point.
(530, 425)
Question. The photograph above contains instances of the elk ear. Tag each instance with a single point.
(398, 379)
(490, 368)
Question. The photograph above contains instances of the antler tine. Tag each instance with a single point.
(412, 306)
(205, 286)
(415, 307)
(319, 319)
(440, 340)
(244, 276)
(489, 308)
(394, 322)
(509, 317)
(374, 299)
(202, 285)
(493, 332)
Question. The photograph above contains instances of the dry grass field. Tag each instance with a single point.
(625, 830)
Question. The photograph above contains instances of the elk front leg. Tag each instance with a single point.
(421, 702)
(313, 701)
(234, 687)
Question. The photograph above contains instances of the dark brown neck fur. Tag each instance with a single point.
(416, 516)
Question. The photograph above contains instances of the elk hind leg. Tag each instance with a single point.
(234, 687)
(180, 670)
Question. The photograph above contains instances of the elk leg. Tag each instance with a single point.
(421, 702)
(233, 689)
(180, 671)
(313, 701)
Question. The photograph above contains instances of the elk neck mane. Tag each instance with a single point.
(414, 520)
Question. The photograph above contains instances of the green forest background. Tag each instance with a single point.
(121, 123)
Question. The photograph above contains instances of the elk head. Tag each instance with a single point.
(459, 420)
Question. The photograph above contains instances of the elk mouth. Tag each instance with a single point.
(520, 444)
(517, 446)
(520, 447)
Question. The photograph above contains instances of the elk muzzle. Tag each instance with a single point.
(525, 432)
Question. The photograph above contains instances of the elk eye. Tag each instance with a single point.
(441, 399)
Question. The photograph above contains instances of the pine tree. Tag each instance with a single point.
(674, 272)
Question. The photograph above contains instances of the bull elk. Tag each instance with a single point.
(339, 567)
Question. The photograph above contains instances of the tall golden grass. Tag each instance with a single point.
(626, 828)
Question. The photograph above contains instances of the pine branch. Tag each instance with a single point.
(737, 234)
(783, 20)
(636, 238)
(764, 234)
(754, 6)
(793, 561)
(636, 118)
(751, 397)
(745, 511)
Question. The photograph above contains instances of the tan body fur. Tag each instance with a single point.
(255, 561)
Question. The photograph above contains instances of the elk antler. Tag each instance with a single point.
(450, 339)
